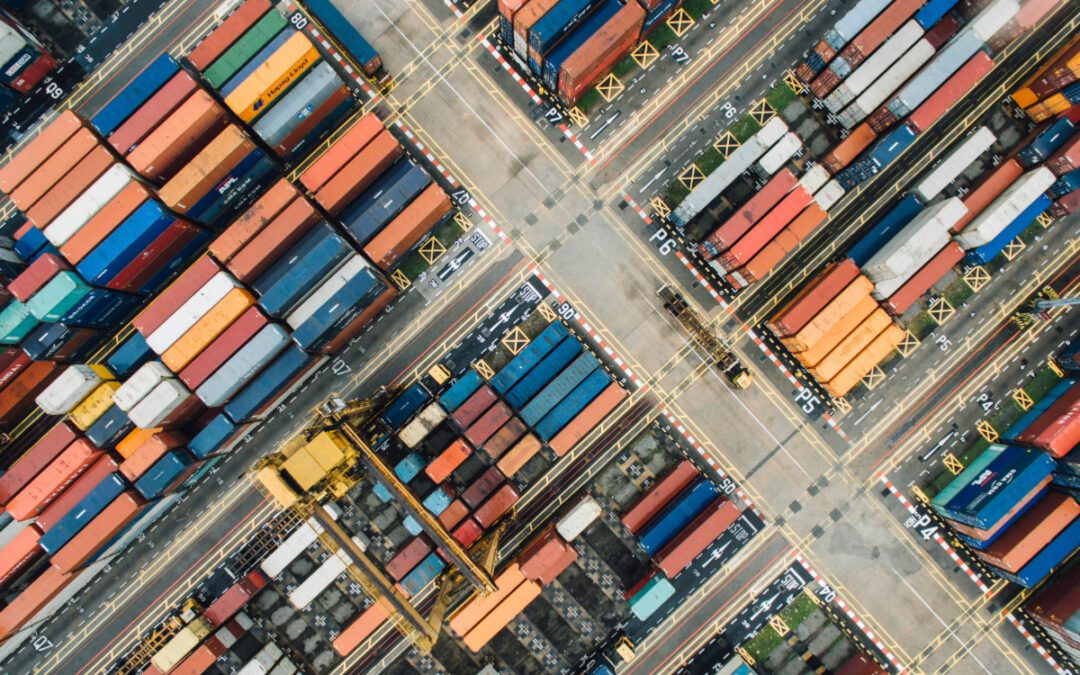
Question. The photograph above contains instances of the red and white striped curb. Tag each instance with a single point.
(427, 153)
(454, 8)
(906, 503)
(854, 618)
(712, 462)
(509, 68)
(333, 52)
(590, 330)
(1035, 643)
(577, 143)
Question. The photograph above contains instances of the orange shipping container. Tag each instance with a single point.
(837, 332)
(409, 227)
(987, 190)
(19, 553)
(39, 149)
(490, 625)
(519, 455)
(783, 244)
(53, 480)
(17, 398)
(587, 419)
(178, 138)
(833, 312)
(273, 77)
(74, 183)
(1034, 530)
(850, 346)
(252, 221)
(95, 534)
(359, 630)
(796, 312)
(32, 599)
(848, 149)
(212, 164)
(104, 222)
(850, 376)
(479, 606)
(53, 169)
(344, 148)
(600, 53)
(526, 18)
(449, 460)
(130, 443)
(149, 452)
(206, 329)
(359, 173)
(264, 248)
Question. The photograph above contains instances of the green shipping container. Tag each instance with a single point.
(57, 297)
(16, 322)
(243, 49)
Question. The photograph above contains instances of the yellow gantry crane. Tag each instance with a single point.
(726, 359)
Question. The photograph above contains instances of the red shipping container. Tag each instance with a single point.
(275, 240)
(200, 660)
(498, 504)
(474, 406)
(783, 244)
(482, 487)
(1066, 205)
(453, 514)
(506, 436)
(1057, 431)
(467, 533)
(488, 423)
(53, 169)
(19, 553)
(32, 599)
(1031, 532)
(221, 38)
(989, 188)
(1067, 158)
(161, 253)
(33, 73)
(72, 348)
(848, 149)
(104, 222)
(343, 149)
(53, 480)
(766, 229)
(1058, 600)
(252, 221)
(149, 452)
(175, 295)
(697, 536)
(34, 460)
(76, 491)
(408, 558)
(234, 599)
(448, 461)
(151, 113)
(878, 31)
(224, 346)
(36, 275)
(600, 53)
(948, 94)
(540, 555)
(797, 312)
(923, 280)
(751, 212)
(39, 149)
(822, 85)
(70, 187)
(179, 138)
(359, 172)
(658, 496)
(13, 368)
(17, 398)
(110, 522)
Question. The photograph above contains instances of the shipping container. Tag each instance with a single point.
(507, 435)
(923, 280)
(696, 536)
(654, 593)
(479, 606)
(288, 228)
(102, 224)
(487, 424)
(246, 15)
(1031, 532)
(341, 318)
(320, 85)
(659, 496)
(475, 406)
(423, 574)
(188, 315)
(384, 200)
(884, 86)
(825, 364)
(1057, 430)
(408, 557)
(519, 455)
(801, 308)
(913, 246)
(758, 205)
(167, 473)
(850, 301)
(529, 357)
(253, 221)
(1048, 559)
(587, 419)
(852, 374)
(993, 219)
(961, 157)
(531, 384)
(483, 486)
(26, 605)
(937, 72)
(75, 182)
(341, 28)
(24, 469)
(466, 534)
(987, 252)
(989, 187)
(406, 404)
(97, 532)
(46, 175)
(766, 229)
(557, 23)
(573, 404)
(949, 94)
(272, 78)
(289, 281)
(514, 603)
(872, 68)
(109, 429)
(243, 365)
(462, 388)
(578, 518)
(181, 644)
(341, 152)
(186, 190)
(984, 500)
(137, 91)
(39, 149)
(18, 554)
(234, 599)
(853, 21)
(72, 385)
(359, 630)
(552, 61)
(596, 57)
(76, 491)
(149, 452)
(556, 390)
(86, 510)
(247, 52)
(417, 219)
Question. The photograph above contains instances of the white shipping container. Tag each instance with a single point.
(181, 644)
(141, 383)
(827, 196)
(910, 248)
(954, 163)
(888, 83)
(11, 42)
(304, 536)
(578, 519)
(413, 433)
(883, 290)
(815, 178)
(327, 290)
(188, 314)
(772, 132)
(854, 21)
(79, 212)
(68, 390)
(1002, 211)
(324, 575)
(993, 18)
(263, 661)
(876, 64)
(780, 153)
(244, 621)
(944, 64)
(156, 407)
(284, 667)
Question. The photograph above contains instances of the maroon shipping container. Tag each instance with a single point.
(860, 664)
(697, 536)
(1057, 431)
(482, 487)
(505, 437)
(797, 312)
(161, 253)
(825, 51)
(81, 176)
(36, 275)
(223, 347)
(942, 31)
(17, 399)
(923, 280)
(600, 53)
(178, 292)
(222, 37)
(15, 365)
(234, 599)
(35, 459)
(658, 496)
(467, 533)
(1067, 158)
(1059, 599)
(76, 491)
(824, 83)
(273, 241)
(766, 229)
(453, 514)
(949, 93)
(487, 424)
(152, 112)
(1058, 74)
(474, 406)
(498, 504)
(751, 212)
(408, 558)
(1066, 205)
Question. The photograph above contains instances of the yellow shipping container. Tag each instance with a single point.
(95, 405)
(853, 373)
(829, 315)
(1048, 107)
(130, 443)
(837, 332)
(490, 625)
(181, 644)
(207, 329)
(850, 346)
(273, 78)
(327, 449)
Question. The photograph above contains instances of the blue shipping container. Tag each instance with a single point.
(268, 385)
(987, 252)
(437, 501)
(1046, 560)
(124, 243)
(32, 244)
(423, 574)
(338, 312)
(237, 188)
(346, 34)
(110, 428)
(1070, 182)
(408, 468)
(411, 526)
(902, 214)
(405, 405)
(318, 233)
(128, 100)
(658, 14)
(999, 488)
(212, 437)
(523, 392)
(573, 404)
(1000, 530)
(529, 357)
(1047, 142)
(102, 308)
(557, 23)
(130, 356)
(932, 11)
(82, 513)
(374, 209)
(553, 61)
(887, 149)
(1041, 406)
(651, 596)
(164, 473)
(48, 339)
(557, 389)
(303, 277)
(462, 389)
(667, 524)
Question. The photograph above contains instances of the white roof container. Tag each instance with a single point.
(993, 18)
(86, 206)
(191, 311)
(854, 21)
(326, 291)
(413, 433)
(156, 406)
(888, 83)
(941, 67)
(815, 178)
(304, 536)
(263, 661)
(1003, 210)
(141, 383)
(11, 43)
(827, 196)
(780, 153)
(284, 667)
(324, 575)
(772, 132)
(954, 163)
(910, 248)
(578, 519)
(876, 64)
(67, 390)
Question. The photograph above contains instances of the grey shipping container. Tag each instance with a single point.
(293, 108)
(940, 68)
(243, 365)
(304, 276)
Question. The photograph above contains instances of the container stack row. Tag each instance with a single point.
(1056, 607)
(1023, 521)
(1055, 87)
(570, 45)
(25, 59)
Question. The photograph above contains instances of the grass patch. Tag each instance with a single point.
(663, 37)
(590, 100)
(745, 128)
(767, 639)
(624, 67)
(414, 266)
(709, 161)
(698, 8)
(675, 194)
(922, 325)
(780, 97)
(449, 232)
(958, 293)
